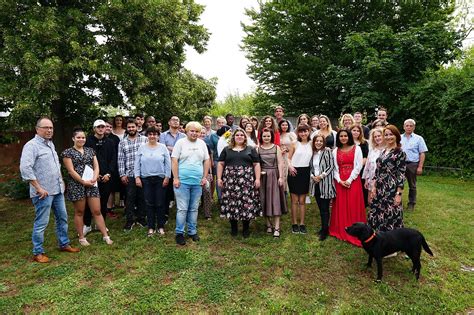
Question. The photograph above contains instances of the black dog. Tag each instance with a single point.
(381, 244)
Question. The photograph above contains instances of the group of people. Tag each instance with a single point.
(252, 168)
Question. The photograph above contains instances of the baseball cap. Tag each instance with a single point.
(99, 122)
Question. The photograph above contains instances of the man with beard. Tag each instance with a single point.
(135, 199)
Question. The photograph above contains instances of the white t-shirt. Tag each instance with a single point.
(190, 155)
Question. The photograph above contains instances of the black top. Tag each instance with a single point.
(246, 157)
(105, 151)
(330, 143)
(365, 149)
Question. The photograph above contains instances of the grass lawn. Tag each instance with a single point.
(295, 273)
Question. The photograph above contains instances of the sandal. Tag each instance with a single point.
(84, 242)
(108, 240)
(269, 229)
(276, 233)
(150, 233)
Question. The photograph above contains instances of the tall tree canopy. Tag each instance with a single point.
(331, 56)
(67, 58)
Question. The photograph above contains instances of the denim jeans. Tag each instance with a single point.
(187, 202)
(43, 209)
(135, 202)
(155, 201)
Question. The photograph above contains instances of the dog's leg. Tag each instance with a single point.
(369, 263)
(379, 268)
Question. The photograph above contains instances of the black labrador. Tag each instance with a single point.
(378, 245)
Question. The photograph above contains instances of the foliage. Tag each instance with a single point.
(222, 274)
(15, 188)
(69, 58)
(442, 104)
(235, 104)
(331, 56)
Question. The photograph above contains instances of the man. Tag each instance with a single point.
(106, 156)
(229, 118)
(39, 165)
(150, 122)
(279, 113)
(358, 121)
(414, 147)
(115, 184)
(135, 199)
(139, 119)
(159, 126)
(169, 139)
(190, 164)
(382, 114)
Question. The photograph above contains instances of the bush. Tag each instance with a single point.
(15, 189)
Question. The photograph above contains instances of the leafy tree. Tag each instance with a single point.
(297, 47)
(69, 58)
(235, 104)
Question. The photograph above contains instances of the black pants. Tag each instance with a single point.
(323, 205)
(134, 202)
(154, 200)
(410, 174)
(104, 190)
(169, 196)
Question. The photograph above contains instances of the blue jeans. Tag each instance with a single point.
(155, 197)
(187, 202)
(43, 209)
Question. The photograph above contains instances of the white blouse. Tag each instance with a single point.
(302, 155)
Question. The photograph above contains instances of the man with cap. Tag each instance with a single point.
(105, 152)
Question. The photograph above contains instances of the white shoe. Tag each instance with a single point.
(391, 255)
(171, 204)
(84, 242)
(108, 240)
(307, 200)
(86, 230)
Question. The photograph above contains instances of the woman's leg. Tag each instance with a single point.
(294, 208)
(276, 222)
(149, 190)
(302, 207)
(94, 205)
(79, 207)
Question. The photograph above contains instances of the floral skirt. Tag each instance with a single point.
(240, 200)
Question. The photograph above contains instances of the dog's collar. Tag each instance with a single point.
(370, 238)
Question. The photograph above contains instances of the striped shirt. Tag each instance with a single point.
(127, 151)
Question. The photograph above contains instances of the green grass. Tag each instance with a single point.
(295, 273)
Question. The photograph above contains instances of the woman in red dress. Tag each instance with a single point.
(348, 206)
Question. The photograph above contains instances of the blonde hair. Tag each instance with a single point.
(193, 124)
(232, 138)
(207, 118)
(328, 121)
(372, 143)
(341, 121)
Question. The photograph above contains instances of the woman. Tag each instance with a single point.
(287, 140)
(269, 123)
(358, 136)
(207, 124)
(251, 135)
(322, 181)
(376, 146)
(254, 121)
(83, 169)
(118, 126)
(379, 123)
(238, 175)
(243, 121)
(152, 173)
(302, 119)
(206, 198)
(220, 121)
(348, 206)
(314, 123)
(386, 211)
(299, 177)
(271, 190)
(346, 121)
(325, 129)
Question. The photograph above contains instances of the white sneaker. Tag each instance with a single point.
(391, 255)
(171, 204)
(86, 229)
(308, 200)
(108, 240)
(84, 242)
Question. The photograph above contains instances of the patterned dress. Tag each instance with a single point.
(76, 191)
(389, 175)
(240, 200)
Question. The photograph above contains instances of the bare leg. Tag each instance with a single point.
(302, 202)
(294, 208)
(111, 201)
(277, 222)
(94, 205)
(79, 207)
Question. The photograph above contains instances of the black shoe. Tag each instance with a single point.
(142, 223)
(323, 236)
(180, 240)
(295, 229)
(411, 207)
(245, 229)
(302, 229)
(234, 229)
(128, 226)
(194, 237)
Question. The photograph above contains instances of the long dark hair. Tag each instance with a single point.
(350, 140)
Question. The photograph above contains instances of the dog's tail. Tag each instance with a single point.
(426, 247)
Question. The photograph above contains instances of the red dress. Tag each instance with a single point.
(348, 206)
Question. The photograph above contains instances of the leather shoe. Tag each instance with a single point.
(41, 258)
(69, 249)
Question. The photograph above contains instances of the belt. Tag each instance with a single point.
(411, 162)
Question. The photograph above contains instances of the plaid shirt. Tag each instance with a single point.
(127, 151)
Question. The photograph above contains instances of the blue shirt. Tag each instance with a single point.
(413, 146)
(39, 161)
(169, 140)
(153, 161)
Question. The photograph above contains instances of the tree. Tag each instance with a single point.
(292, 44)
(69, 58)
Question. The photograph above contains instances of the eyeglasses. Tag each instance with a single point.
(46, 128)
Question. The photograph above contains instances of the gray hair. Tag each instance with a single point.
(409, 121)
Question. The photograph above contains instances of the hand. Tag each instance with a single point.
(41, 193)
(366, 184)
(280, 182)
(87, 183)
(176, 183)
(203, 181)
(105, 178)
(166, 181)
(138, 182)
(257, 183)
(398, 199)
(220, 183)
(124, 180)
(419, 171)
(292, 170)
(346, 184)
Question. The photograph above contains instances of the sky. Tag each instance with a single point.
(223, 58)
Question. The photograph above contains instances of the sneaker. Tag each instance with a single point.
(86, 229)
(107, 240)
(180, 240)
(83, 242)
(295, 229)
(161, 231)
(391, 255)
(150, 233)
(194, 237)
(411, 207)
(142, 223)
(302, 229)
(171, 204)
(128, 226)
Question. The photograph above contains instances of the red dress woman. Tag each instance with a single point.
(348, 206)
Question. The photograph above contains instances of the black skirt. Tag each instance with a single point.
(299, 184)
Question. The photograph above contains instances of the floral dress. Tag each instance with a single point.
(76, 191)
(384, 215)
(239, 200)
